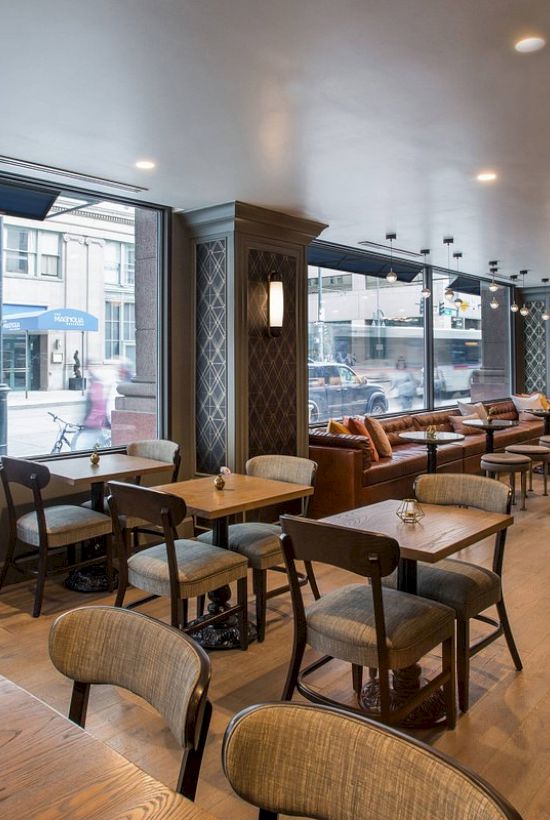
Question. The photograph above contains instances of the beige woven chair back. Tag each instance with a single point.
(108, 645)
(463, 490)
(283, 468)
(320, 762)
(159, 449)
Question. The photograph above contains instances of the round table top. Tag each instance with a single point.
(537, 412)
(490, 424)
(439, 437)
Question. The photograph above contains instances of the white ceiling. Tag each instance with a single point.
(369, 115)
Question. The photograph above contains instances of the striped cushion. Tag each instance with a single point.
(65, 524)
(341, 624)
(201, 568)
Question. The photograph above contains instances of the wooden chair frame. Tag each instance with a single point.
(372, 556)
(35, 477)
(466, 650)
(164, 511)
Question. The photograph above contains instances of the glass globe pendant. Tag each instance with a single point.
(391, 275)
(493, 303)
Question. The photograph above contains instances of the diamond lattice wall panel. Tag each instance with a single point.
(211, 362)
(271, 361)
(535, 348)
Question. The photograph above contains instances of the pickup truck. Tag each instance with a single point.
(336, 390)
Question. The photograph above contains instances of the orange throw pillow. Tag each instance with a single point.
(356, 426)
(334, 426)
(379, 437)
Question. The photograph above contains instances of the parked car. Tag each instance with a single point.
(336, 390)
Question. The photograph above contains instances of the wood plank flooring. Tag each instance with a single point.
(504, 736)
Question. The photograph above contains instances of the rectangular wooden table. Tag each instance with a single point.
(51, 768)
(241, 493)
(443, 531)
(82, 474)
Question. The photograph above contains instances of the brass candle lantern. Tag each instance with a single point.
(410, 511)
(431, 431)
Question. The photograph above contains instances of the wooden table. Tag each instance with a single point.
(241, 493)
(443, 531)
(490, 425)
(432, 442)
(51, 768)
(83, 475)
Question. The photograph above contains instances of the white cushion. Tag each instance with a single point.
(476, 410)
(532, 402)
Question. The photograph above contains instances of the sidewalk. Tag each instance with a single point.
(39, 398)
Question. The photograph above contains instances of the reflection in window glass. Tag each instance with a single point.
(471, 341)
(366, 344)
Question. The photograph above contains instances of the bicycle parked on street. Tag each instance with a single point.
(67, 433)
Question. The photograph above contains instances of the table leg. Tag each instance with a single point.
(94, 578)
(407, 681)
(223, 634)
(489, 441)
(432, 457)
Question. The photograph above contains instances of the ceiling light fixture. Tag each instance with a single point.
(449, 292)
(493, 287)
(145, 164)
(391, 275)
(514, 307)
(457, 300)
(486, 176)
(529, 44)
(425, 292)
(524, 310)
(545, 313)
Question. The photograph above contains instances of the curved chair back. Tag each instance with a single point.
(110, 645)
(32, 475)
(460, 489)
(159, 450)
(293, 469)
(319, 762)
(159, 508)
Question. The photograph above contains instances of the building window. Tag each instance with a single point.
(111, 263)
(120, 331)
(29, 252)
(112, 330)
(128, 264)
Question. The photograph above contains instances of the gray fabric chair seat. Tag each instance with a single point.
(341, 624)
(467, 588)
(201, 568)
(65, 524)
(258, 542)
(505, 462)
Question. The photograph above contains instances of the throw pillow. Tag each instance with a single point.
(334, 426)
(544, 401)
(522, 403)
(356, 426)
(457, 423)
(476, 409)
(379, 437)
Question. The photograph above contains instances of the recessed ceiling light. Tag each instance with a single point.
(528, 44)
(145, 164)
(486, 176)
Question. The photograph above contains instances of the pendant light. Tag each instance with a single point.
(457, 300)
(391, 275)
(425, 292)
(514, 307)
(524, 310)
(449, 292)
(545, 313)
(493, 287)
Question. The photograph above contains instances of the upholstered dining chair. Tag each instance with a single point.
(178, 568)
(317, 761)
(467, 588)
(365, 625)
(48, 530)
(106, 645)
(259, 542)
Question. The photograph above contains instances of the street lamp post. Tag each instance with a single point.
(4, 389)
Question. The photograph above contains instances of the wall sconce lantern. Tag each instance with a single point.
(275, 304)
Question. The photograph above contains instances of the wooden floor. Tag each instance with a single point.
(503, 737)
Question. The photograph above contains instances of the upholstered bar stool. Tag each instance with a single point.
(544, 441)
(537, 453)
(496, 463)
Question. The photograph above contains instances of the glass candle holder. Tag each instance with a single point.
(410, 511)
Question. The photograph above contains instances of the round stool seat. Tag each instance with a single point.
(536, 451)
(505, 462)
(544, 441)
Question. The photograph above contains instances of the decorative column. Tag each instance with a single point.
(250, 388)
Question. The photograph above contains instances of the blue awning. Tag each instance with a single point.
(62, 319)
